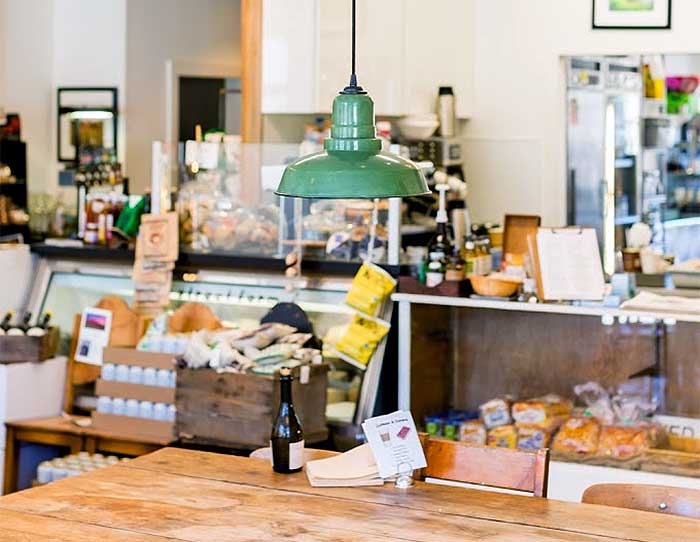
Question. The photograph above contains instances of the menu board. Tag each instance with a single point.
(570, 266)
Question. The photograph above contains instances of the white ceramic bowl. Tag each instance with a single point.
(418, 126)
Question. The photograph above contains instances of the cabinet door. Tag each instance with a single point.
(380, 38)
(438, 52)
(289, 56)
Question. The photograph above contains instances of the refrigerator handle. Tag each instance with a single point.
(571, 204)
(608, 191)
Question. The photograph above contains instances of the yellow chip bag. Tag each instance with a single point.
(370, 287)
(361, 338)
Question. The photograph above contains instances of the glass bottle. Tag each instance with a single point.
(470, 256)
(287, 439)
(455, 267)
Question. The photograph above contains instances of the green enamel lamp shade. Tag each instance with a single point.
(352, 164)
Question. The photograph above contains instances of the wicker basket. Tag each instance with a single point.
(493, 286)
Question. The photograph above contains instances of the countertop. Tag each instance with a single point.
(179, 495)
(554, 308)
(189, 260)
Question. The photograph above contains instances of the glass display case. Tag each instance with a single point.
(237, 297)
(231, 208)
(643, 366)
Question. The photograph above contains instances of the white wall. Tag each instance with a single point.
(45, 44)
(26, 68)
(93, 53)
(515, 142)
(188, 32)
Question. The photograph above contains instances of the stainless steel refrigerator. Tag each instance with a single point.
(604, 100)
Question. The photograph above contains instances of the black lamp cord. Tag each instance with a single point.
(353, 87)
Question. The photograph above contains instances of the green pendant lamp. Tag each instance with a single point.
(352, 164)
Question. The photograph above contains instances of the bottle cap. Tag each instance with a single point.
(445, 90)
(285, 371)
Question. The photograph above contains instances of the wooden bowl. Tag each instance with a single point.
(494, 286)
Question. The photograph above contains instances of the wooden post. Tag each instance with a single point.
(251, 70)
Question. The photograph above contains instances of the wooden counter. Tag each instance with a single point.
(179, 495)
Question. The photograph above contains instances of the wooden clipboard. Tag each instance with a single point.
(593, 282)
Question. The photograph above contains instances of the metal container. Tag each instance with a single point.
(658, 133)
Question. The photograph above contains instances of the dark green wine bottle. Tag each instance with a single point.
(287, 439)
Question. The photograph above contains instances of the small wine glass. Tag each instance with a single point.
(404, 480)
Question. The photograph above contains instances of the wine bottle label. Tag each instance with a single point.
(296, 455)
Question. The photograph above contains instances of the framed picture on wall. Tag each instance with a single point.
(631, 14)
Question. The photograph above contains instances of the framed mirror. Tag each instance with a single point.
(87, 124)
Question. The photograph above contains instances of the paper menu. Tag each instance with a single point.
(394, 441)
(93, 336)
(570, 266)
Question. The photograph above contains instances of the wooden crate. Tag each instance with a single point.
(22, 349)
(237, 410)
(129, 426)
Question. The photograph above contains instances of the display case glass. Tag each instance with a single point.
(237, 297)
(231, 208)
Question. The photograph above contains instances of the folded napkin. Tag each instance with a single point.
(351, 469)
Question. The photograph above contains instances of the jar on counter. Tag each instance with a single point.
(454, 270)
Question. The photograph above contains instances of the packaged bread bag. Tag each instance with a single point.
(504, 436)
(548, 411)
(624, 441)
(578, 434)
(496, 412)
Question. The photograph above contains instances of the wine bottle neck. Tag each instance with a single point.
(286, 390)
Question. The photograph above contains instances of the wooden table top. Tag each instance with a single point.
(180, 495)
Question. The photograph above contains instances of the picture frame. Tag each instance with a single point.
(631, 14)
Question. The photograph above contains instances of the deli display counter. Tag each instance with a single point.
(68, 284)
(459, 356)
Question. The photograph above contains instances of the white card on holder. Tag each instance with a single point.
(394, 441)
(570, 266)
(95, 326)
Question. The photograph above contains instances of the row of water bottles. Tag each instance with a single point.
(134, 374)
(136, 409)
(73, 465)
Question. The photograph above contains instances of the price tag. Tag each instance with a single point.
(304, 374)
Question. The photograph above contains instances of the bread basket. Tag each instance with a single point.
(496, 285)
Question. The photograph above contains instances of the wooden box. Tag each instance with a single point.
(236, 410)
(411, 285)
(20, 348)
(130, 426)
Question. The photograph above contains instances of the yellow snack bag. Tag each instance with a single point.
(370, 288)
(361, 338)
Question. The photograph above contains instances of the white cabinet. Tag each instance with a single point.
(406, 49)
(379, 49)
(289, 56)
(438, 51)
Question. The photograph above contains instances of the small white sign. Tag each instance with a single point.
(95, 326)
(394, 442)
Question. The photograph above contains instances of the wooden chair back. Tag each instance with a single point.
(650, 498)
(521, 470)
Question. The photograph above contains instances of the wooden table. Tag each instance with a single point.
(180, 495)
(59, 431)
